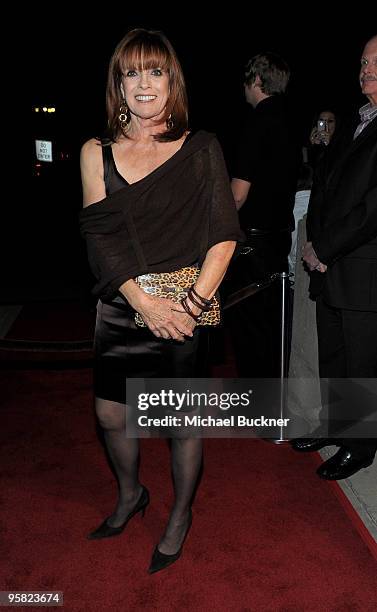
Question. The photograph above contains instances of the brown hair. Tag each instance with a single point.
(146, 49)
(272, 70)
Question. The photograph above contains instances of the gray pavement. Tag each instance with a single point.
(361, 488)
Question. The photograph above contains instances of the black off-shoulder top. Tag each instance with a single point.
(167, 220)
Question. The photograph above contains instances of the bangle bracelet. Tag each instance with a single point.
(201, 298)
(196, 303)
(188, 310)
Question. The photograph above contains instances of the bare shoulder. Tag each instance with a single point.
(91, 151)
(91, 163)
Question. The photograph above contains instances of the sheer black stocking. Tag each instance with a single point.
(186, 460)
(124, 455)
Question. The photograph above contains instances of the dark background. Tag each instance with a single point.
(68, 58)
(324, 58)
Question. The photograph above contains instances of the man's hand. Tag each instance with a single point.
(309, 256)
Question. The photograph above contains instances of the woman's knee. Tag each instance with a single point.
(110, 415)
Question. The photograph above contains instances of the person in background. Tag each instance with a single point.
(304, 185)
(156, 199)
(341, 252)
(324, 128)
(264, 184)
(302, 196)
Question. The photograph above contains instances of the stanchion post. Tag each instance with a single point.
(284, 358)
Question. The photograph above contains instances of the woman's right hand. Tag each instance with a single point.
(164, 319)
(317, 138)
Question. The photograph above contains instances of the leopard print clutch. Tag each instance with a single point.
(174, 286)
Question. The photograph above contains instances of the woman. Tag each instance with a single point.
(321, 135)
(156, 199)
(324, 128)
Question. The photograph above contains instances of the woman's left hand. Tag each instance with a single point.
(184, 317)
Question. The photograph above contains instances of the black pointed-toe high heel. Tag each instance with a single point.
(160, 561)
(106, 531)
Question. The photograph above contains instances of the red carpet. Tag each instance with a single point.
(267, 534)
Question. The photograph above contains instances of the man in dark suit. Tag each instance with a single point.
(342, 248)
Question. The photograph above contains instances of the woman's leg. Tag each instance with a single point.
(186, 458)
(186, 360)
(124, 455)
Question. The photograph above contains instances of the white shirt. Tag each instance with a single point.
(300, 209)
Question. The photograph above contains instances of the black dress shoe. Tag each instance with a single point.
(307, 445)
(342, 465)
(160, 561)
(106, 531)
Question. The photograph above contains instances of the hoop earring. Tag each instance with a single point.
(124, 117)
(170, 122)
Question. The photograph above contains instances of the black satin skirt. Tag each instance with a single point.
(123, 350)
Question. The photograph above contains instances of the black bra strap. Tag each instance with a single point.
(108, 161)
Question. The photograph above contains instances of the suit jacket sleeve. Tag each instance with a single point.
(356, 228)
(348, 214)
